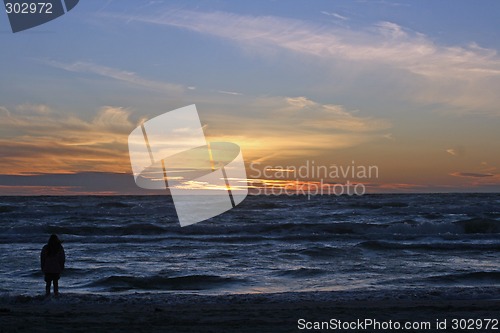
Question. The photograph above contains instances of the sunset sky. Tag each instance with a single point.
(412, 87)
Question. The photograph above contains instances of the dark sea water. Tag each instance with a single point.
(373, 243)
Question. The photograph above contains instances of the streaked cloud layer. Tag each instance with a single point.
(462, 77)
(117, 74)
(37, 139)
(409, 87)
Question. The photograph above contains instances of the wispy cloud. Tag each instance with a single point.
(462, 77)
(386, 3)
(472, 174)
(117, 74)
(336, 15)
(386, 43)
(456, 151)
(484, 176)
(229, 92)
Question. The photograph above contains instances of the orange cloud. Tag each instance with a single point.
(37, 139)
(291, 127)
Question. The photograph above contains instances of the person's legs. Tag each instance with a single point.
(47, 284)
(56, 287)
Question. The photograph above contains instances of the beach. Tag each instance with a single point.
(278, 312)
(250, 166)
(273, 264)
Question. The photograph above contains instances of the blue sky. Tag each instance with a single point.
(410, 86)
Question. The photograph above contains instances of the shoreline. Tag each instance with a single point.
(280, 312)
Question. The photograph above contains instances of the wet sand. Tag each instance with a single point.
(228, 313)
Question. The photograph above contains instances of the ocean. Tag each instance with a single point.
(268, 244)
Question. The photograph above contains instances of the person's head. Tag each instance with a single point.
(54, 240)
(54, 244)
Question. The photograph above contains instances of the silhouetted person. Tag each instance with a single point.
(52, 261)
